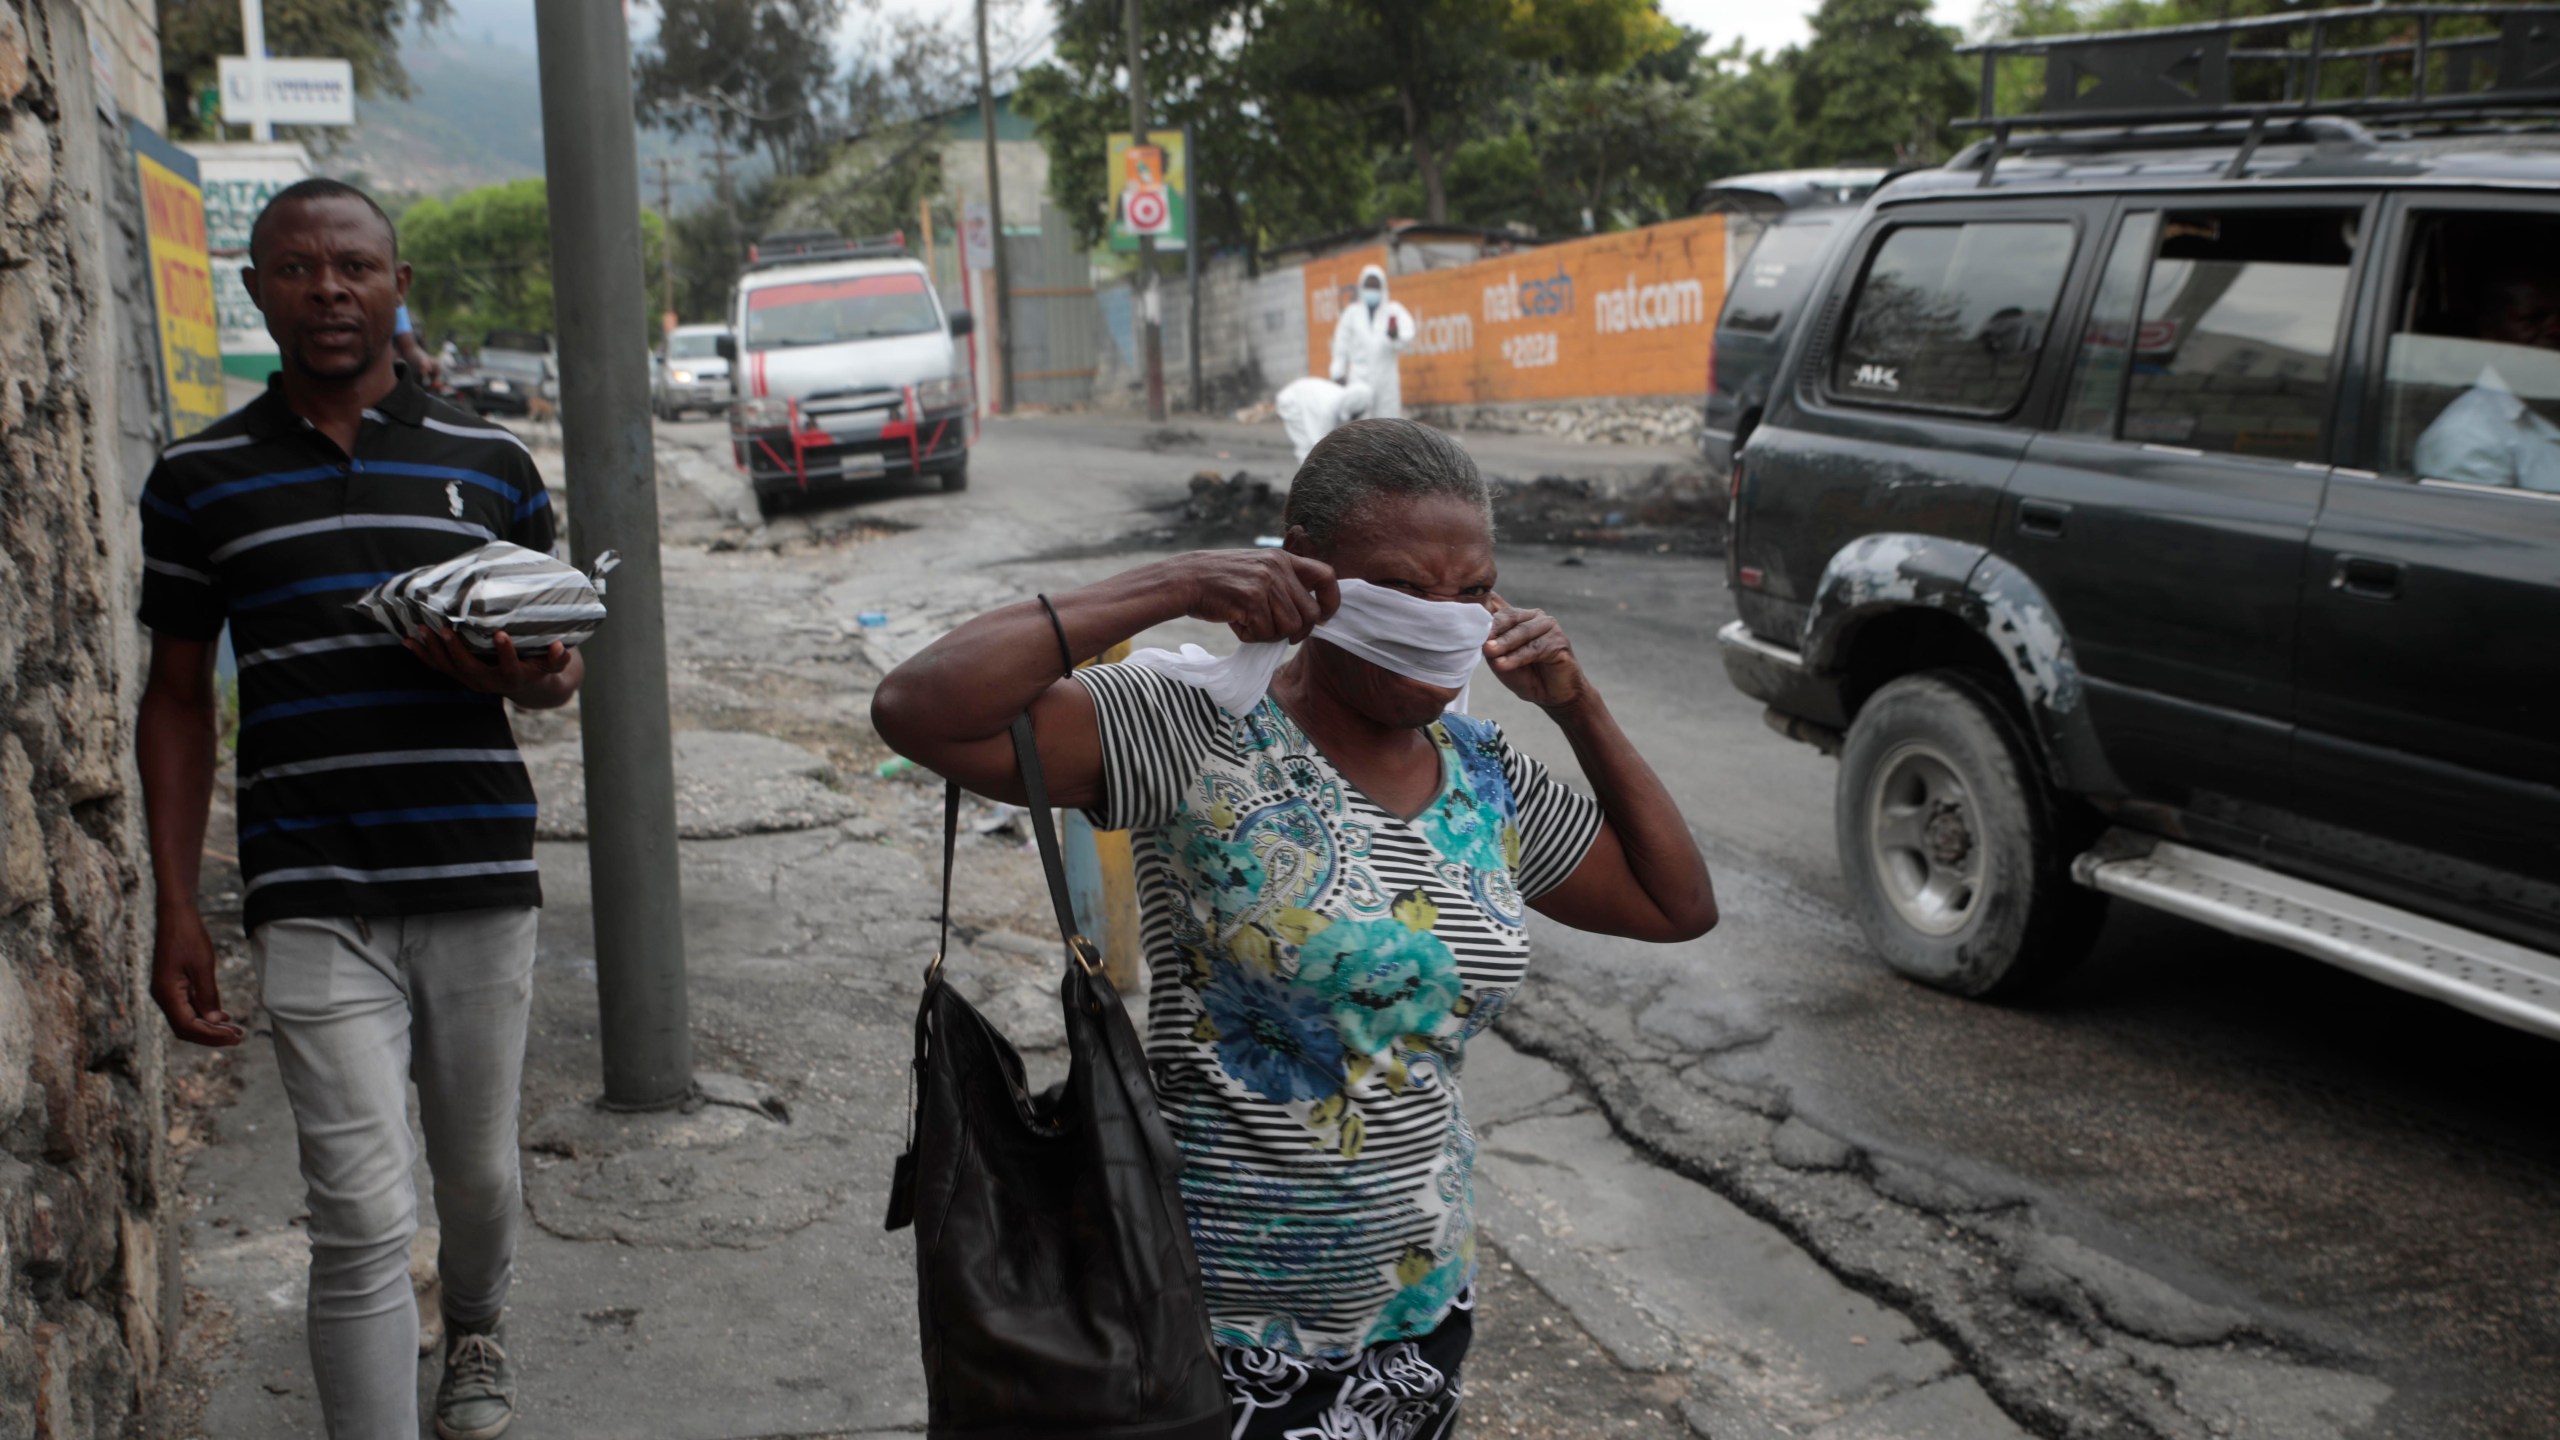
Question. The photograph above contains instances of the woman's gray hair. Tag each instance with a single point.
(1368, 461)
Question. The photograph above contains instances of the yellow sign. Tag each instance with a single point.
(181, 288)
(1150, 189)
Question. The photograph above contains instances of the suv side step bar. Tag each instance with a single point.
(2486, 976)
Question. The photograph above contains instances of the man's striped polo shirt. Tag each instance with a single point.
(369, 783)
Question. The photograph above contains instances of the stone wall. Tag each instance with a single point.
(88, 1291)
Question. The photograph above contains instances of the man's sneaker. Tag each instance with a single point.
(476, 1399)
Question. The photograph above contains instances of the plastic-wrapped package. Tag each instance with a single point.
(534, 599)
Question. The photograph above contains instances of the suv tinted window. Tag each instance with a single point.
(2097, 376)
(2239, 331)
(1773, 280)
(2471, 380)
(1951, 316)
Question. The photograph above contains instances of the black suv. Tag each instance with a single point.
(2168, 506)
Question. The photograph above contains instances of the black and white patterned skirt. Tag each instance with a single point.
(1402, 1390)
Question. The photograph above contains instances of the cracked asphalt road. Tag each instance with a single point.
(2203, 1188)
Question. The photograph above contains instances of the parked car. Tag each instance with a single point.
(1789, 220)
(2168, 508)
(845, 368)
(687, 372)
(512, 370)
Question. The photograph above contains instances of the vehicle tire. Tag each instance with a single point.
(955, 480)
(770, 503)
(1956, 853)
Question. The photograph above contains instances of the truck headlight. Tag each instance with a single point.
(951, 392)
(762, 412)
(682, 377)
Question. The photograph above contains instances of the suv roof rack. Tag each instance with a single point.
(2392, 63)
(2303, 71)
(809, 247)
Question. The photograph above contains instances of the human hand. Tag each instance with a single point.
(1259, 594)
(1532, 656)
(182, 981)
(505, 673)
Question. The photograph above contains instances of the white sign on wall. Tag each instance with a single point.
(978, 236)
(299, 92)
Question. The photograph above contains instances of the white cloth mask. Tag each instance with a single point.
(1437, 642)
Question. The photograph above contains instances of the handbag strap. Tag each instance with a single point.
(950, 849)
(1044, 833)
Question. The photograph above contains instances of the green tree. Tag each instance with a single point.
(1878, 82)
(1425, 72)
(196, 34)
(1750, 113)
(483, 261)
(1266, 166)
(757, 73)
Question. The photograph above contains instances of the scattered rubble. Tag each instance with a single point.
(1672, 511)
(1665, 420)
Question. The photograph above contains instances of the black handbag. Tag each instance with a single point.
(1059, 1293)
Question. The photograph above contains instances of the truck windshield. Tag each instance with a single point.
(694, 346)
(829, 312)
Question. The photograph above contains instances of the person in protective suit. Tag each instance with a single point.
(1312, 406)
(1367, 340)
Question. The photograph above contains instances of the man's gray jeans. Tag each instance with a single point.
(360, 1007)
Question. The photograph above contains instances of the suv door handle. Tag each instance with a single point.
(2044, 519)
(2366, 578)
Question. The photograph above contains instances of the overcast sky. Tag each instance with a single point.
(1761, 24)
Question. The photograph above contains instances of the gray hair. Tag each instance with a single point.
(1368, 461)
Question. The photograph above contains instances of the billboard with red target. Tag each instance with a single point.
(1150, 190)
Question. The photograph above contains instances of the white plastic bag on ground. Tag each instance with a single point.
(534, 599)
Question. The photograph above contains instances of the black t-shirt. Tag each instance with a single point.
(369, 784)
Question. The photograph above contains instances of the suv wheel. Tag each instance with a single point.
(1956, 854)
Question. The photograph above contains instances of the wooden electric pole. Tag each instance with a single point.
(1150, 309)
(667, 243)
(995, 222)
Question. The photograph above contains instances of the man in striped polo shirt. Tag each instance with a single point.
(386, 819)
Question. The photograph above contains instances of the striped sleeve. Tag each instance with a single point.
(179, 597)
(1557, 823)
(1156, 733)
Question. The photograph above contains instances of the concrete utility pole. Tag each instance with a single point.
(591, 155)
(1149, 304)
(995, 222)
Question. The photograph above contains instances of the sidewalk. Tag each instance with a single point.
(722, 1274)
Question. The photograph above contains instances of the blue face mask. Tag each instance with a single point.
(1373, 299)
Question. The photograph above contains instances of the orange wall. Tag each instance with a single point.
(1625, 314)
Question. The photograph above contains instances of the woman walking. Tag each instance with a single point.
(1334, 870)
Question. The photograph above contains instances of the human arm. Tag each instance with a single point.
(174, 749)
(950, 707)
(426, 367)
(1643, 876)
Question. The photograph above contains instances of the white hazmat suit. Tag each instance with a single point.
(1366, 341)
(1310, 407)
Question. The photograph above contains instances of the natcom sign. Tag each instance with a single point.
(1625, 314)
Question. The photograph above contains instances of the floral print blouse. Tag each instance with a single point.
(1317, 964)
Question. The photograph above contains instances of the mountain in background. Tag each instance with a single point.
(475, 118)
